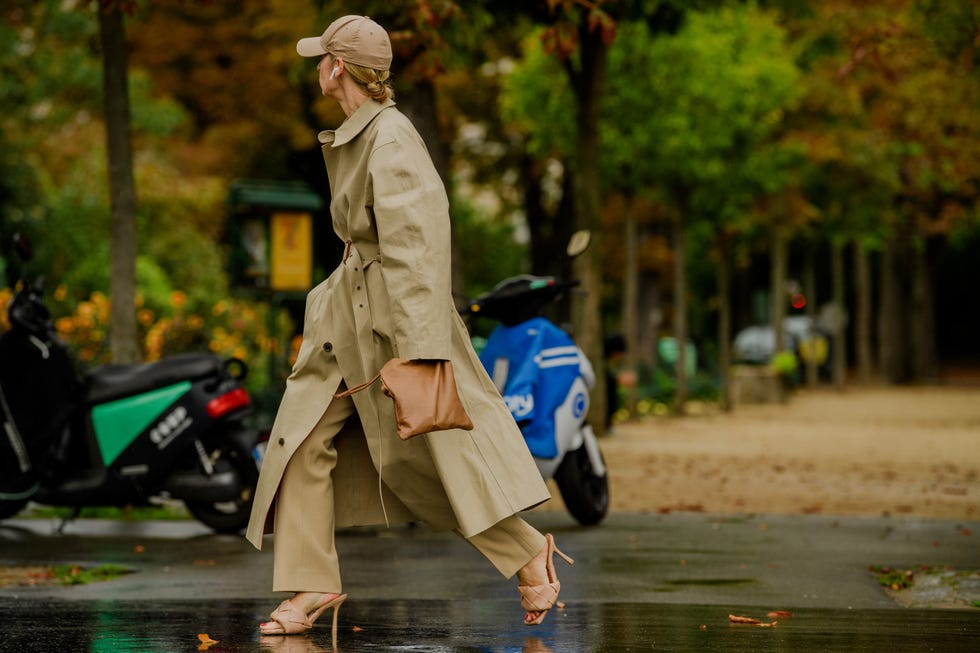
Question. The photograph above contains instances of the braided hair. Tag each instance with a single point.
(376, 82)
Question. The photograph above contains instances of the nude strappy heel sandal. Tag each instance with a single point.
(541, 598)
(287, 619)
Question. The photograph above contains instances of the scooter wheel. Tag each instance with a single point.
(11, 507)
(229, 517)
(585, 493)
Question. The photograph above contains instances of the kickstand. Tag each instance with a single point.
(75, 512)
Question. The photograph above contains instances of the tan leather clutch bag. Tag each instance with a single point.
(425, 396)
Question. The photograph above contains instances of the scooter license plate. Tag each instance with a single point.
(258, 453)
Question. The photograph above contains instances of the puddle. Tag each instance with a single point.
(474, 626)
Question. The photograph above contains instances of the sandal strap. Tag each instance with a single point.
(291, 618)
(539, 597)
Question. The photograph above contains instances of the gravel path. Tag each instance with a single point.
(860, 452)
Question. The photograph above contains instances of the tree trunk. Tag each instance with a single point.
(540, 252)
(891, 321)
(419, 103)
(680, 304)
(562, 227)
(586, 81)
(777, 285)
(810, 293)
(922, 325)
(839, 347)
(650, 323)
(862, 317)
(630, 320)
(725, 322)
(124, 344)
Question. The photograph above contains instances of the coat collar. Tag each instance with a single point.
(355, 123)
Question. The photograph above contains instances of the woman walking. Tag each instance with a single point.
(338, 461)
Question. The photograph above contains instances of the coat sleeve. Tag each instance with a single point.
(411, 214)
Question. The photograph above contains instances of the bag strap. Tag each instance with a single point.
(356, 388)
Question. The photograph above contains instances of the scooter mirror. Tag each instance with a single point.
(579, 242)
(23, 247)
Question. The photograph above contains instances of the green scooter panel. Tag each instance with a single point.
(118, 423)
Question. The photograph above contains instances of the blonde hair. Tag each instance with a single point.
(376, 82)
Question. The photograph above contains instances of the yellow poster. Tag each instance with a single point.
(292, 251)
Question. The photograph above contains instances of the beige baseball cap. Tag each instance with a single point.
(355, 39)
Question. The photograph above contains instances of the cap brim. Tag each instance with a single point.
(310, 47)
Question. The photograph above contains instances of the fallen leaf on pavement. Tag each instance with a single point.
(735, 619)
(742, 620)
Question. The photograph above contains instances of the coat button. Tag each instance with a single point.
(282, 441)
(328, 347)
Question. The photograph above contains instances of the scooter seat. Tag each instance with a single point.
(109, 382)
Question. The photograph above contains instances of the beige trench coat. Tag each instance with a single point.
(392, 297)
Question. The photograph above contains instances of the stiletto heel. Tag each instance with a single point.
(287, 619)
(333, 628)
(541, 598)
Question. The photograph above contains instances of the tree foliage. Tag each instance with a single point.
(701, 107)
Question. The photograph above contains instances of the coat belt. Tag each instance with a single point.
(366, 251)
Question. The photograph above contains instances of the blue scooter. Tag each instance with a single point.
(545, 381)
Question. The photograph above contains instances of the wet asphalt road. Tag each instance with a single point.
(640, 583)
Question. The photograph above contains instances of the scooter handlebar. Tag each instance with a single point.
(518, 299)
(28, 311)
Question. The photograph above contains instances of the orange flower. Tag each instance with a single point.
(178, 299)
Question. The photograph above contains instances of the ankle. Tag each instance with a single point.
(309, 599)
(535, 571)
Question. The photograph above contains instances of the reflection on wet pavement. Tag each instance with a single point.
(470, 626)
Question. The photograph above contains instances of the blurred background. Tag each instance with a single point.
(789, 188)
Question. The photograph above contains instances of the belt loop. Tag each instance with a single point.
(347, 250)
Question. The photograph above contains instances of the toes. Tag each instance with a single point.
(271, 628)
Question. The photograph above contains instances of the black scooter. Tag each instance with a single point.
(119, 435)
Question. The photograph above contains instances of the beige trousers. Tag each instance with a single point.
(305, 557)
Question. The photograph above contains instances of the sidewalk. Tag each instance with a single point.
(679, 571)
